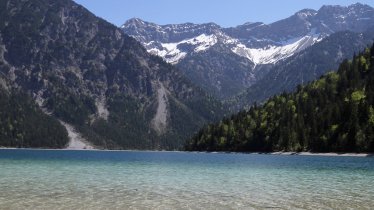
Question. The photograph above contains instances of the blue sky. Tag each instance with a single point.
(223, 12)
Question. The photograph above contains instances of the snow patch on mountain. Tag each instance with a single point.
(172, 53)
(203, 42)
(272, 54)
(175, 52)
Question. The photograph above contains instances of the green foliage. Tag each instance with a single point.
(358, 95)
(23, 124)
(371, 116)
(332, 114)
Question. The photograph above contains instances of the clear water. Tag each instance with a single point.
(34, 179)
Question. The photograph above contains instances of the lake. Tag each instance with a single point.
(60, 179)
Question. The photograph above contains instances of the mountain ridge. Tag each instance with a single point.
(261, 44)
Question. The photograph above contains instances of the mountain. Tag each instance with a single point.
(218, 71)
(195, 48)
(101, 84)
(332, 114)
(304, 67)
(199, 51)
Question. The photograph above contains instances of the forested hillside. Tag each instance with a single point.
(23, 124)
(86, 72)
(332, 114)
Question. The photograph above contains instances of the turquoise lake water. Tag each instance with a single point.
(37, 179)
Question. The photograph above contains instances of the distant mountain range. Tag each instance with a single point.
(251, 49)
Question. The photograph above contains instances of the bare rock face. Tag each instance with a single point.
(159, 121)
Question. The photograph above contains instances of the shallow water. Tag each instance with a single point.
(36, 179)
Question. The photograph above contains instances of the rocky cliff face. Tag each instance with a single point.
(262, 45)
(88, 73)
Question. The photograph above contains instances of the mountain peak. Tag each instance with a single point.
(134, 22)
(252, 23)
(329, 8)
(307, 12)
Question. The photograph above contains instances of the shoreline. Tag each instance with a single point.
(328, 154)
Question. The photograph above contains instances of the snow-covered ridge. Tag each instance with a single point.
(261, 53)
(172, 52)
(175, 52)
(272, 54)
(260, 43)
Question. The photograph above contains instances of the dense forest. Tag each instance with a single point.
(332, 114)
(23, 124)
